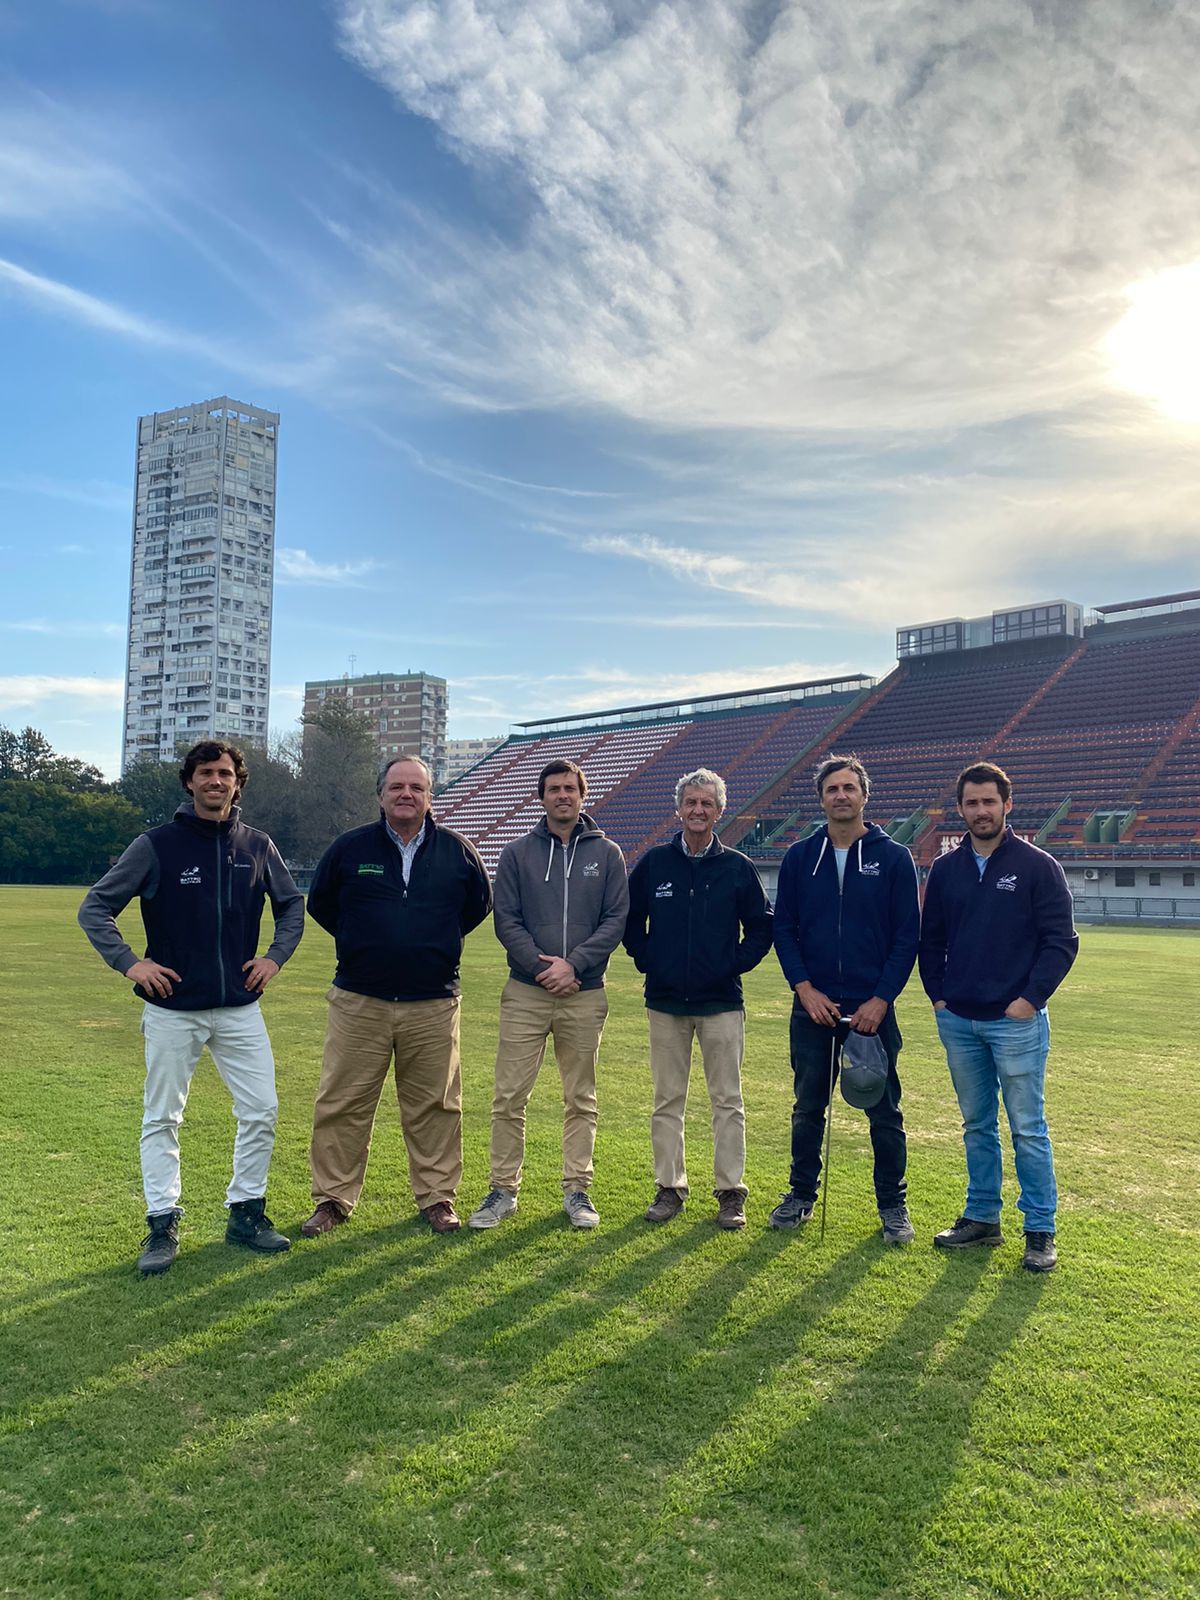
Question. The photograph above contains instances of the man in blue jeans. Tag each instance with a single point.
(846, 927)
(997, 939)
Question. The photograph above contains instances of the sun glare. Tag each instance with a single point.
(1154, 350)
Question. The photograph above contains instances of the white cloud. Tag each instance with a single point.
(91, 492)
(67, 630)
(297, 566)
(26, 691)
(792, 216)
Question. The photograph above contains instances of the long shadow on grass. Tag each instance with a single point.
(412, 1378)
(838, 1496)
(114, 1330)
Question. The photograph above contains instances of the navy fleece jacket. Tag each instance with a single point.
(1008, 935)
(856, 941)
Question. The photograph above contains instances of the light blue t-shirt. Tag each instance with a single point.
(840, 857)
(980, 861)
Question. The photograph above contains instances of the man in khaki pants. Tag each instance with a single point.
(561, 900)
(399, 897)
(698, 919)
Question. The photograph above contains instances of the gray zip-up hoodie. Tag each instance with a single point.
(561, 900)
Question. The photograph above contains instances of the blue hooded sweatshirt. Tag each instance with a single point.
(855, 940)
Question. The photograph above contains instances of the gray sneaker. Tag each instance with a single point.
(791, 1212)
(492, 1209)
(897, 1226)
(578, 1206)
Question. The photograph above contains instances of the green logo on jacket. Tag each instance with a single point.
(371, 868)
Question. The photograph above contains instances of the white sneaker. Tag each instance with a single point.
(492, 1209)
(580, 1209)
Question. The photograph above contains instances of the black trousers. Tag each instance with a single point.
(810, 1046)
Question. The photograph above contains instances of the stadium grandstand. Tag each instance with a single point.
(1095, 716)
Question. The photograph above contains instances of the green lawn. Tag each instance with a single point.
(669, 1413)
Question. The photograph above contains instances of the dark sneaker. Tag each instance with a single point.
(731, 1209)
(161, 1244)
(967, 1231)
(791, 1212)
(578, 1206)
(441, 1216)
(668, 1203)
(325, 1218)
(491, 1211)
(250, 1225)
(1040, 1253)
(897, 1225)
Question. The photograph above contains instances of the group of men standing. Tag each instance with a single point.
(400, 896)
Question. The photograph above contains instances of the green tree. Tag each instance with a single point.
(153, 789)
(271, 800)
(56, 835)
(338, 764)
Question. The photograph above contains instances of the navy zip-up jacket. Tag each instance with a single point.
(201, 886)
(709, 921)
(856, 942)
(398, 941)
(1008, 935)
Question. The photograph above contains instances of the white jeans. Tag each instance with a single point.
(236, 1037)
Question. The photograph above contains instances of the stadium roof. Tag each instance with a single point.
(1155, 600)
(731, 700)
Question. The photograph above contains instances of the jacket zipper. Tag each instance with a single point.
(220, 926)
(566, 893)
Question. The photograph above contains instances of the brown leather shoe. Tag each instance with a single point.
(325, 1218)
(731, 1209)
(667, 1203)
(441, 1216)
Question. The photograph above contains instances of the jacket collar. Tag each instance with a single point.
(716, 848)
(585, 828)
(185, 812)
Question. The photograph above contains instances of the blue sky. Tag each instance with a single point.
(622, 350)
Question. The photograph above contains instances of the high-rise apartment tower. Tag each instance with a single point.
(201, 575)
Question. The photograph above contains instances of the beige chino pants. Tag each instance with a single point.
(722, 1045)
(363, 1037)
(528, 1017)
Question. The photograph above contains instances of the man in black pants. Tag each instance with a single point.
(846, 929)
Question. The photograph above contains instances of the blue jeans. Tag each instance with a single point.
(987, 1059)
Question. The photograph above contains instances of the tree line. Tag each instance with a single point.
(61, 822)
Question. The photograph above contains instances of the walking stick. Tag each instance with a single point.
(828, 1133)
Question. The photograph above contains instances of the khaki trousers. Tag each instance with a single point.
(528, 1017)
(362, 1037)
(722, 1045)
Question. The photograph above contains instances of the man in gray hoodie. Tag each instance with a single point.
(561, 899)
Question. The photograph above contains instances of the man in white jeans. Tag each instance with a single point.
(201, 881)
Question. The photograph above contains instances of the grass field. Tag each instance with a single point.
(669, 1413)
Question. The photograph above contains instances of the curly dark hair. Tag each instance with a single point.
(213, 750)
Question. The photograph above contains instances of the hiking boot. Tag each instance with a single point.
(578, 1206)
(731, 1209)
(1040, 1253)
(667, 1203)
(791, 1212)
(441, 1216)
(967, 1231)
(250, 1225)
(493, 1208)
(897, 1225)
(325, 1218)
(161, 1244)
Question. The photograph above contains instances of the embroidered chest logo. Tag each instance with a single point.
(591, 869)
(1008, 881)
(870, 869)
(664, 892)
(190, 875)
(371, 869)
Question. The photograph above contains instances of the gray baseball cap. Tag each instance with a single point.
(864, 1070)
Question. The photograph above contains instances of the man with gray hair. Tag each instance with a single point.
(399, 897)
(698, 919)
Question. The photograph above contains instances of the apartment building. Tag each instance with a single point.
(201, 577)
(408, 711)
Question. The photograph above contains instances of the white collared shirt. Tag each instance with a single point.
(407, 851)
